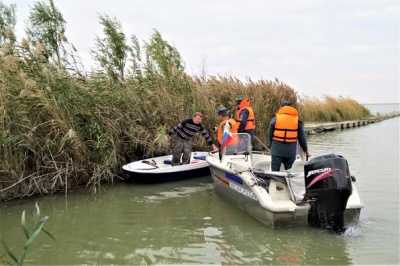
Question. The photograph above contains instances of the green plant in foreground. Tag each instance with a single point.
(30, 236)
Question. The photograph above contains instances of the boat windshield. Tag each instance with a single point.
(238, 143)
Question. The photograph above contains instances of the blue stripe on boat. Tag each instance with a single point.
(234, 178)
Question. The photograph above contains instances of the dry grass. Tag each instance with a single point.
(330, 109)
(60, 129)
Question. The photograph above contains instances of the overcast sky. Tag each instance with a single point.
(318, 47)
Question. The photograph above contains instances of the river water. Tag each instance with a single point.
(188, 223)
(379, 108)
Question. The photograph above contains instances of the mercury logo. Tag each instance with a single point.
(318, 171)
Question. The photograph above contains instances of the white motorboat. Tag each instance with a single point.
(159, 169)
(319, 192)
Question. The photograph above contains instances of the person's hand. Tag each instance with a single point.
(215, 148)
(307, 154)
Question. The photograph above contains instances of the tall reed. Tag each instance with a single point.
(331, 109)
(61, 128)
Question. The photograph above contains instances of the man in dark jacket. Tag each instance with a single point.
(285, 129)
(184, 138)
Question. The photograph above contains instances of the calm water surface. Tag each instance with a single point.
(188, 223)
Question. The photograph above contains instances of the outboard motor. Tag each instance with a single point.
(328, 187)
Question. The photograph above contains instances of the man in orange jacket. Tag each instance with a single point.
(245, 117)
(226, 121)
(285, 129)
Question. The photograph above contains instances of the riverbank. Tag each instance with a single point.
(312, 128)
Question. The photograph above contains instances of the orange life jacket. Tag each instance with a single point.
(286, 125)
(251, 123)
(232, 130)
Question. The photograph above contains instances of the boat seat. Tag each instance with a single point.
(168, 162)
(298, 166)
(266, 166)
(198, 157)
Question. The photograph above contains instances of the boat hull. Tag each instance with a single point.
(137, 177)
(241, 195)
(159, 169)
(319, 192)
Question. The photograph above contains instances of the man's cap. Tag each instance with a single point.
(222, 111)
(239, 100)
(286, 103)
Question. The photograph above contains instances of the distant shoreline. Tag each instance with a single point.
(379, 103)
(382, 108)
(312, 128)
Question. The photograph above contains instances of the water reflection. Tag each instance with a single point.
(185, 223)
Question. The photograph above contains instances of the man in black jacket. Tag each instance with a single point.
(184, 138)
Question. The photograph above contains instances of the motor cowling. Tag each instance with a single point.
(328, 187)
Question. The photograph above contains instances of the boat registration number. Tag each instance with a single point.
(243, 191)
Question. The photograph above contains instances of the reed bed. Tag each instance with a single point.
(331, 109)
(64, 128)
